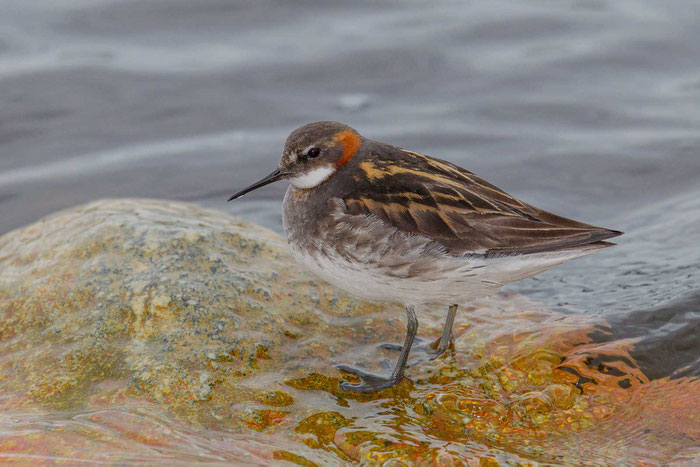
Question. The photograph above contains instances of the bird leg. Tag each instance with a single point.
(370, 382)
(440, 346)
(447, 336)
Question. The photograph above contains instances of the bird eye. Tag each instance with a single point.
(313, 153)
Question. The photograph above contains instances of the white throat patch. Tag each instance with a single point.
(314, 177)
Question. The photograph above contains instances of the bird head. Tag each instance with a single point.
(312, 154)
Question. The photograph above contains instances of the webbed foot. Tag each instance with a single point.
(368, 381)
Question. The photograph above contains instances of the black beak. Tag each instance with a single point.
(273, 177)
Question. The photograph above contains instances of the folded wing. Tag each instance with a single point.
(421, 195)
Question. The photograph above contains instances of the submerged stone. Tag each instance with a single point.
(147, 331)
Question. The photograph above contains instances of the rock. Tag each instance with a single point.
(183, 304)
(152, 331)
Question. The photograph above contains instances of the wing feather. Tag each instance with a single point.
(420, 195)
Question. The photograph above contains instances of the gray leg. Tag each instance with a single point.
(437, 348)
(447, 331)
(370, 382)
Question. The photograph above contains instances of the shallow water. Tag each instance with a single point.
(588, 108)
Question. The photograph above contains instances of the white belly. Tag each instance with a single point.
(451, 279)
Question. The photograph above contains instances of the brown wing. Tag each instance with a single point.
(418, 194)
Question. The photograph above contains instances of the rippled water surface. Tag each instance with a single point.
(588, 108)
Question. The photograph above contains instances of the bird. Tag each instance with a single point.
(394, 225)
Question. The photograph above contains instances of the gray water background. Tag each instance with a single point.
(588, 108)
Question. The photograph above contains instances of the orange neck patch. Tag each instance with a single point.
(351, 143)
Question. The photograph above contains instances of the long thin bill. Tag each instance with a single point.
(273, 177)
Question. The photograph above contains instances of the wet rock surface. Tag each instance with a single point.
(152, 331)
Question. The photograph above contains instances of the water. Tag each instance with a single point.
(588, 108)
